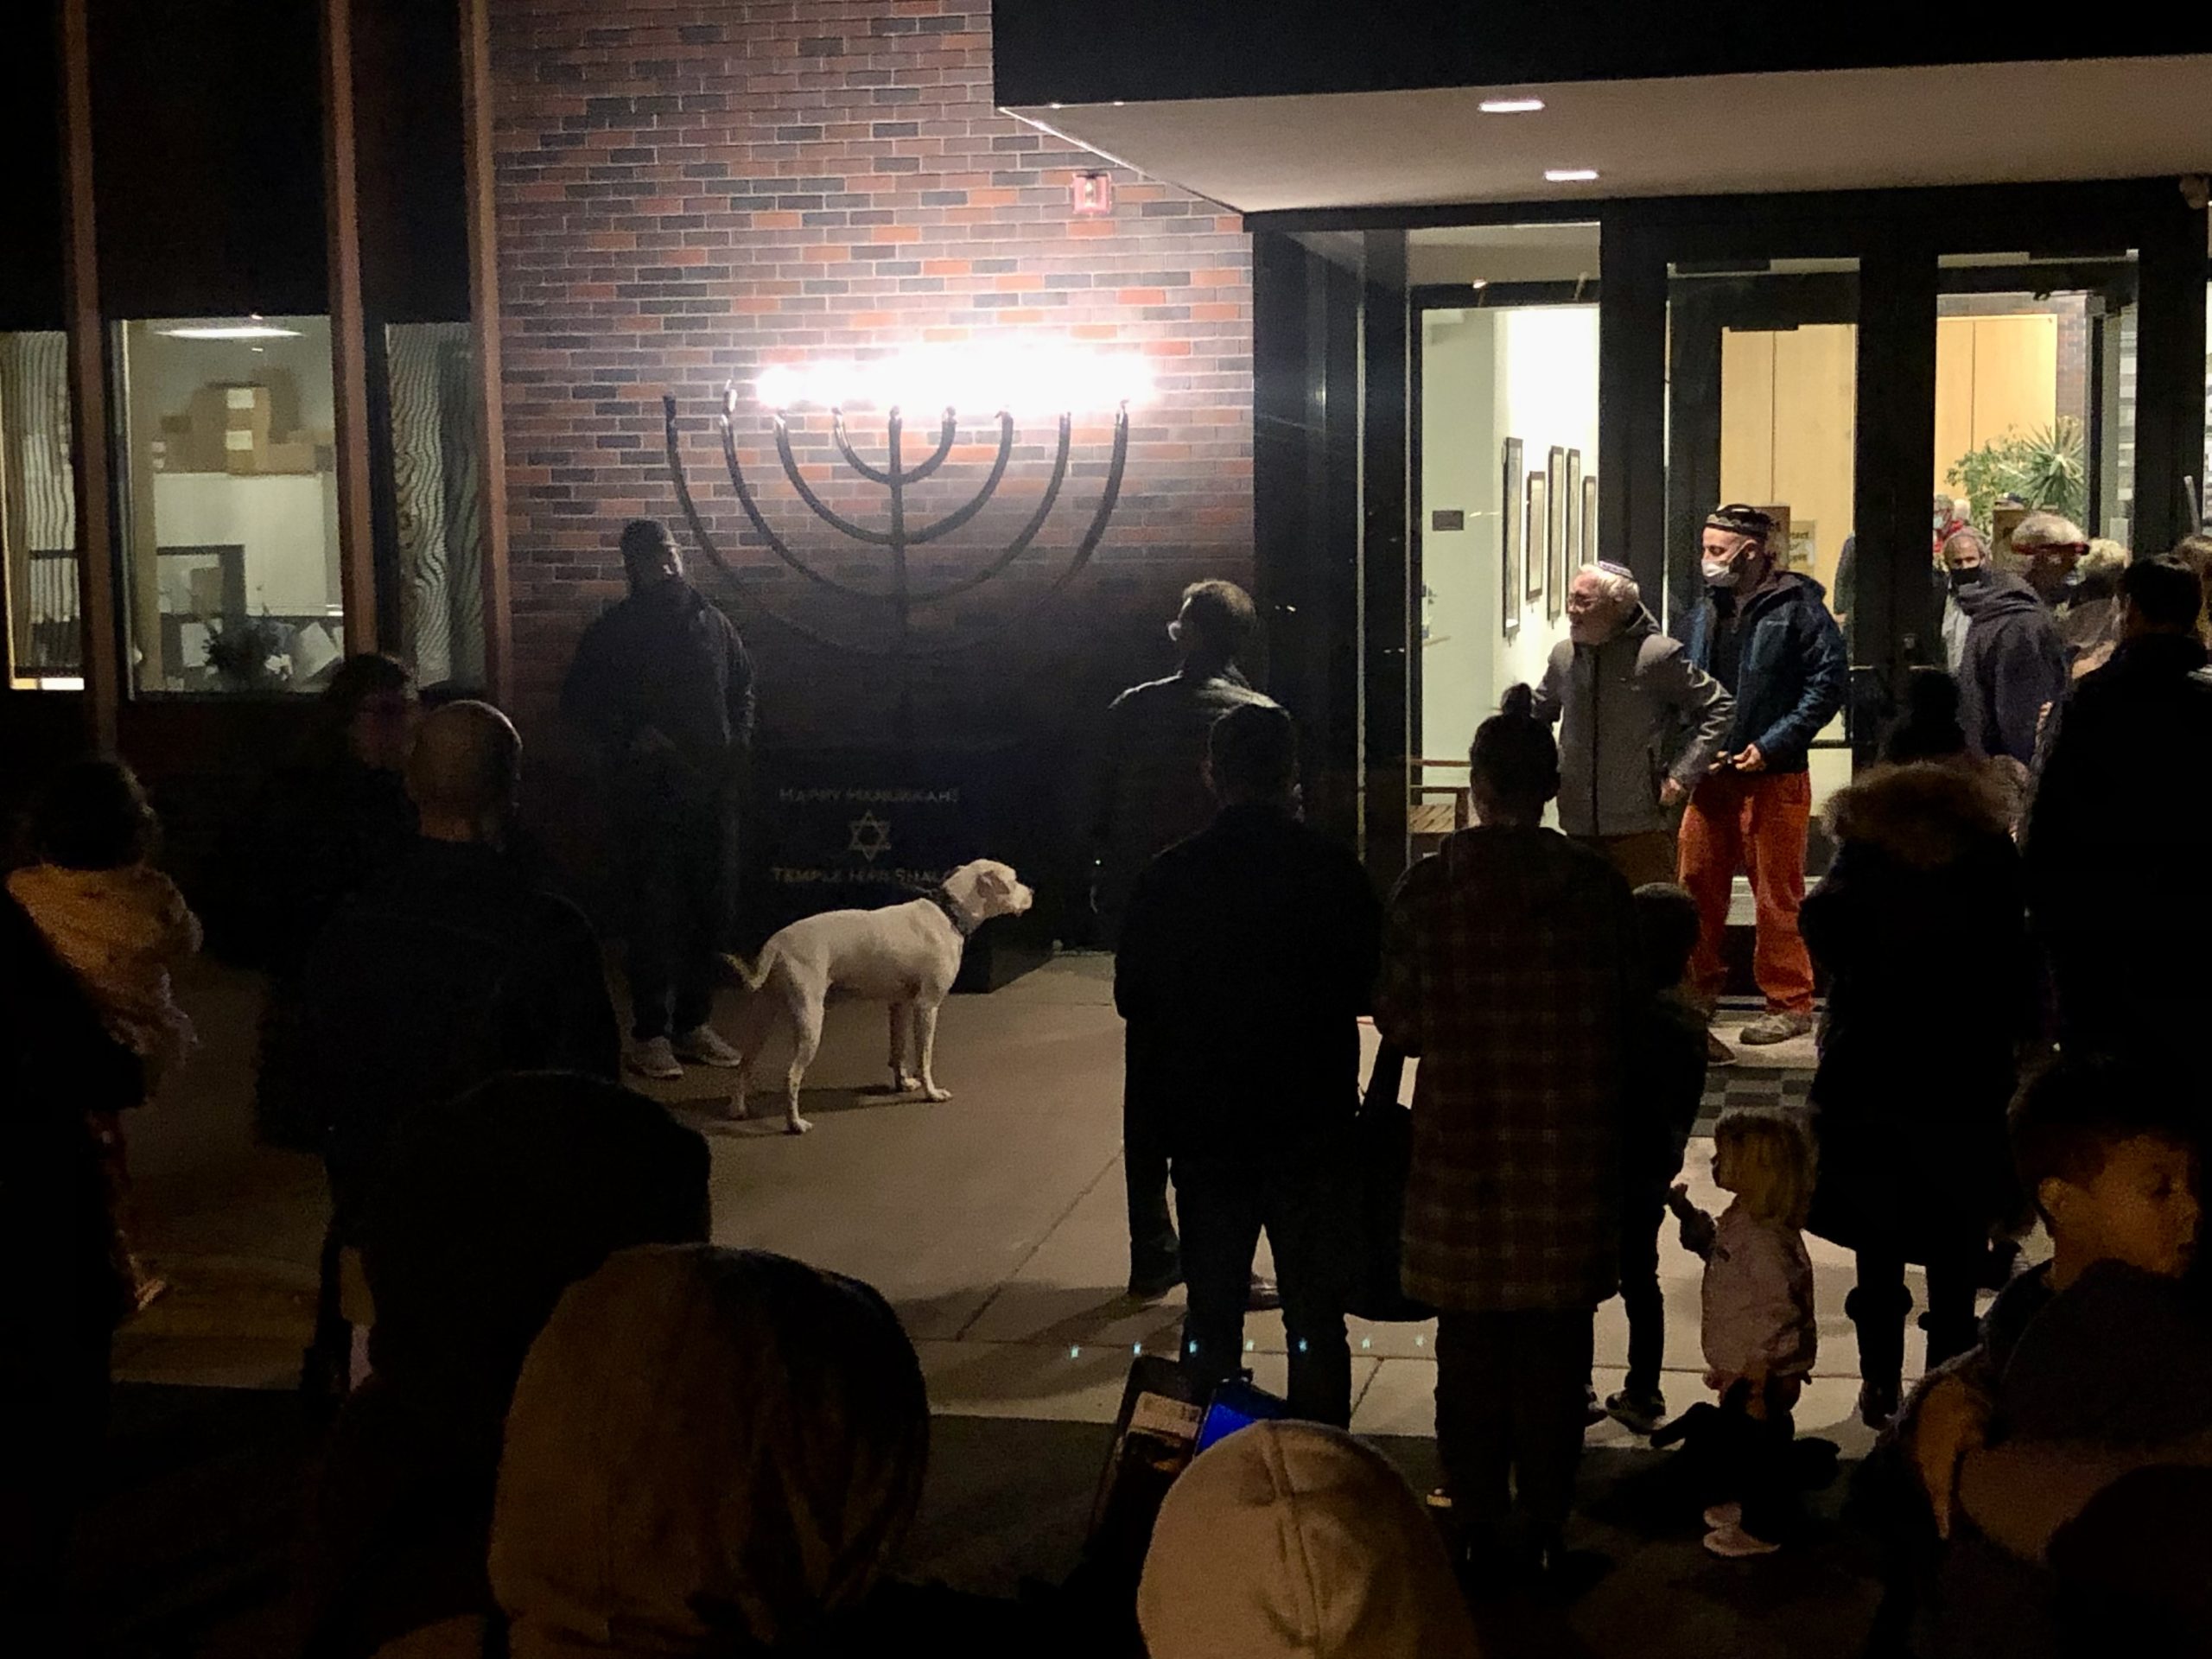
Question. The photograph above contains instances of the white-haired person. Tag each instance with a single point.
(1639, 723)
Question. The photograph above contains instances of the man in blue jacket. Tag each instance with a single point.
(1766, 635)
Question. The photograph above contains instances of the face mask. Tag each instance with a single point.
(1969, 578)
(1719, 572)
(1942, 520)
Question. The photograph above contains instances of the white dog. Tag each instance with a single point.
(905, 955)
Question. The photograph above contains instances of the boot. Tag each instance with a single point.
(1880, 1321)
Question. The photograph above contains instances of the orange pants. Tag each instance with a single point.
(1755, 824)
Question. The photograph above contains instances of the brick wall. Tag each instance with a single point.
(688, 191)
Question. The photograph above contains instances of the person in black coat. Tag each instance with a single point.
(664, 685)
(455, 969)
(2126, 786)
(1921, 925)
(1247, 954)
(484, 1211)
(331, 824)
(65, 1294)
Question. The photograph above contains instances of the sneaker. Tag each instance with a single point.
(1718, 1052)
(704, 1045)
(1721, 1516)
(1636, 1410)
(1733, 1543)
(1775, 1028)
(656, 1058)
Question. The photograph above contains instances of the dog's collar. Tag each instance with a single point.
(944, 902)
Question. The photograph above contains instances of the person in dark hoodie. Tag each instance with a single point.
(2126, 783)
(1910, 1113)
(2012, 665)
(1639, 724)
(663, 682)
(1766, 635)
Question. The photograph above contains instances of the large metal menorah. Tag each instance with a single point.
(901, 598)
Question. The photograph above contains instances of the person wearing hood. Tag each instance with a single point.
(1639, 724)
(2127, 786)
(1512, 971)
(711, 1453)
(1290, 1541)
(2012, 662)
(486, 1210)
(1766, 635)
(1909, 1111)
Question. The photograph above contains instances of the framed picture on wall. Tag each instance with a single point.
(1540, 547)
(1532, 537)
(1556, 526)
(1512, 542)
(1571, 559)
(1590, 519)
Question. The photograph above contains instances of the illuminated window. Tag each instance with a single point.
(229, 492)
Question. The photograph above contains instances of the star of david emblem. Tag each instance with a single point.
(871, 836)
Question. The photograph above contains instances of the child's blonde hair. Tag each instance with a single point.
(1772, 1158)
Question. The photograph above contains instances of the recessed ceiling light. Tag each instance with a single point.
(1570, 174)
(1480, 282)
(1511, 105)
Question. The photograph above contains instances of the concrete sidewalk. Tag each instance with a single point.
(994, 1222)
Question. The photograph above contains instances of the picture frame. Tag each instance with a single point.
(1590, 519)
(1555, 525)
(1537, 502)
(1512, 540)
(1532, 551)
(1571, 558)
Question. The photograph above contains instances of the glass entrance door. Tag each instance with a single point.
(1763, 409)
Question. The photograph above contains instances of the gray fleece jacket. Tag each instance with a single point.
(1632, 713)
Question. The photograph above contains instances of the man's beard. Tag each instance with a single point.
(1592, 632)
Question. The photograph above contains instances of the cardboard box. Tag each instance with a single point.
(295, 454)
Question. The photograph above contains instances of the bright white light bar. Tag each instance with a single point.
(978, 380)
(1511, 105)
(1569, 174)
(255, 330)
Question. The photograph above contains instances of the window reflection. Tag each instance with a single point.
(230, 504)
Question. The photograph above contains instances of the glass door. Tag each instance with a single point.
(1763, 409)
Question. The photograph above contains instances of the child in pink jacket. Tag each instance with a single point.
(1759, 1335)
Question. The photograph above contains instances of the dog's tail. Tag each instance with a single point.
(753, 975)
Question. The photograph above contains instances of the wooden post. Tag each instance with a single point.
(90, 457)
(484, 313)
(348, 325)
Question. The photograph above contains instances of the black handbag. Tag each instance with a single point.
(1383, 1150)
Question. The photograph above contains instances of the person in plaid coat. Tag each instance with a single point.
(1510, 969)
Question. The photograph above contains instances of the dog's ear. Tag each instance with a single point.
(987, 879)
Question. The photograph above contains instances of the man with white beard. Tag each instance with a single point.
(1639, 724)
